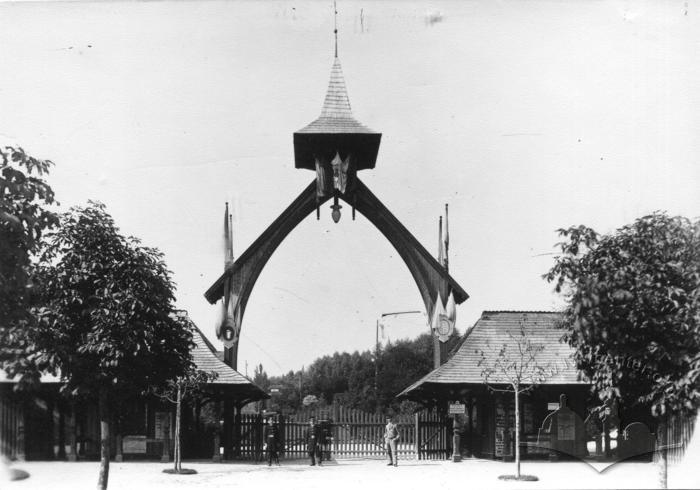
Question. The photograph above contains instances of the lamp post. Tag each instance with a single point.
(376, 350)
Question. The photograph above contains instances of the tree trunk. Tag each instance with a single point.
(517, 431)
(663, 459)
(178, 414)
(104, 441)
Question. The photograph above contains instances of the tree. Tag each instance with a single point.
(261, 379)
(25, 214)
(107, 324)
(633, 312)
(514, 368)
(176, 391)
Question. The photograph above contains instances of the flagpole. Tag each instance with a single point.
(447, 241)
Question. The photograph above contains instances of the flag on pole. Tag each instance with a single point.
(441, 244)
(226, 329)
(451, 309)
(447, 240)
(227, 238)
(438, 310)
(441, 322)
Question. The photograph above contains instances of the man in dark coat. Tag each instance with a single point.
(314, 441)
(271, 435)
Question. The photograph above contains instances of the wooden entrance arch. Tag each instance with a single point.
(430, 276)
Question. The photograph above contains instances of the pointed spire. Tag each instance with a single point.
(337, 103)
(336, 129)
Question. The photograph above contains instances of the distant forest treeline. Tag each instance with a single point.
(349, 379)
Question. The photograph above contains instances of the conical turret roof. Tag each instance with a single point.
(336, 130)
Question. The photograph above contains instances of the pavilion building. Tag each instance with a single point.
(489, 415)
(41, 424)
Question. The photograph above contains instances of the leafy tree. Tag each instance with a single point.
(25, 201)
(349, 378)
(309, 400)
(514, 368)
(176, 391)
(633, 312)
(107, 324)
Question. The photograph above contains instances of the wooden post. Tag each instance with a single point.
(470, 427)
(72, 434)
(437, 351)
(417, 438)
(21, 448)
(237, 433)
(119, 457)
(61, 431)
(50, 428)
(216, 457)
(517, 429)
(227, 438)
(456, 441)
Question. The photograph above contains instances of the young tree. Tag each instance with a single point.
(107, 323)
(176, 391)
(514, 368)
(25, 201)
(633, 312)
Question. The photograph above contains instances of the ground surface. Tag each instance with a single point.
(355, 474)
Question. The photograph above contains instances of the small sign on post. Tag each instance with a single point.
(457, 408)
(553, 406)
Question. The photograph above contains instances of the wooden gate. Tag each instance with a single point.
(251, 439)
(355, 435)
(433, 436)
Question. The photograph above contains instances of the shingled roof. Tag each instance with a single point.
(490, 333)
(336, 115)
(336, 130)
(205, 358)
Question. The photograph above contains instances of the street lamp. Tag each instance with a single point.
(376, 349)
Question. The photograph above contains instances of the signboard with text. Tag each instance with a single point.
(457, 408)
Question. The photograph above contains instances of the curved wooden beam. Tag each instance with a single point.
(431, 277)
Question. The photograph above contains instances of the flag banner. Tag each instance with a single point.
(323, 180)
(441, 322)
(340, 172)
(451, 308)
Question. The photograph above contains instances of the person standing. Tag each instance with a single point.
(272, 442)
(391, 437)
(314, 441)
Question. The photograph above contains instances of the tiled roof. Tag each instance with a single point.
(336, 115)
(205, 358)
(493, 330)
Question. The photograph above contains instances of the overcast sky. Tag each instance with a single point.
(524, 116)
